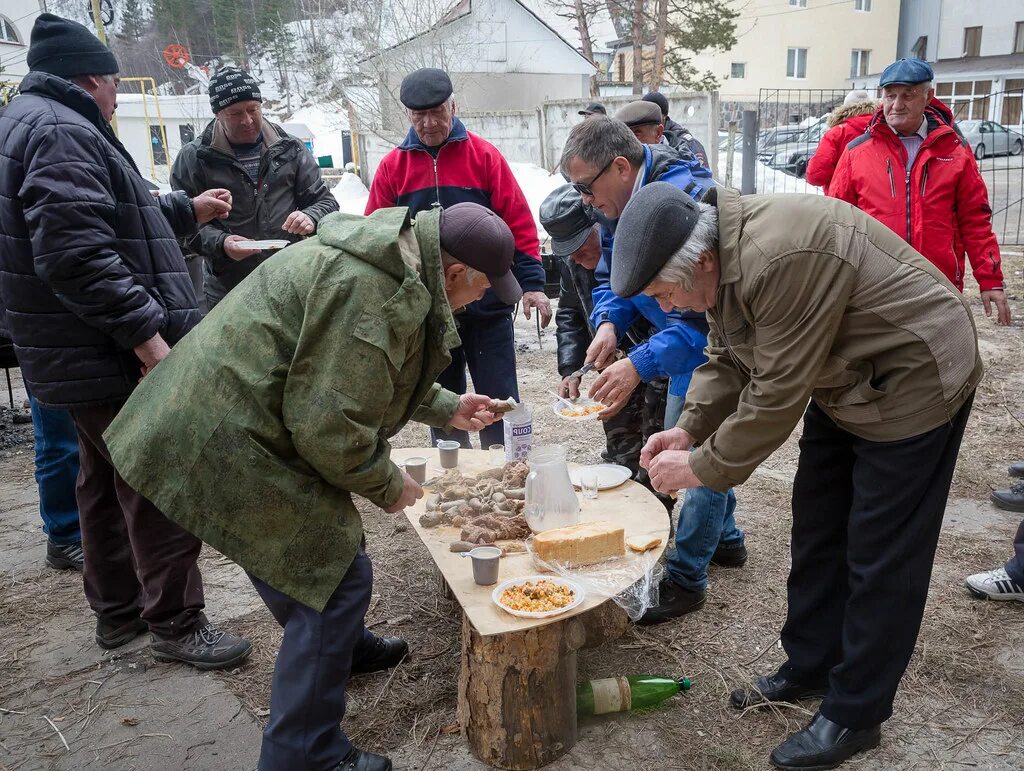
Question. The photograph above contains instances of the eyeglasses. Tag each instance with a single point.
(584, 188)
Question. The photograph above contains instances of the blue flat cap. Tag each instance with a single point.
(909, 71)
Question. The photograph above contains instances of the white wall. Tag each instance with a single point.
(22, 13)
(997, 19)
(133, 127)
(917, 18)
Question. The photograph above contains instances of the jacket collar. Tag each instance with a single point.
(938, 116)
(730, 228)
(74, 98)
(412, 139)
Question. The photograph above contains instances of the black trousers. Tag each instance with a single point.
(866, 521)
(307, 693)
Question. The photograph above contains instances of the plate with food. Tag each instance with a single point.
(583, 408)
(259, 246)
(537, 596)
(609, 475)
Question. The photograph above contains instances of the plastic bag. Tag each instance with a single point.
(630, 581)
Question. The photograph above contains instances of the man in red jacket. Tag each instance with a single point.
(845, 124)
(442, 164)
(913, 172)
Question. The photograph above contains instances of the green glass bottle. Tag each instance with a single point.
(620, 694)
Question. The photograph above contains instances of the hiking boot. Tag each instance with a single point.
(732, 556)
(673, 601)
(67, 557)
(994, 585)
(383, 653)
(361, 760)
(207, 647)
(1012, 499)
(114, 635)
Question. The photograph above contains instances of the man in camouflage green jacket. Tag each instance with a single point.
(257, 429)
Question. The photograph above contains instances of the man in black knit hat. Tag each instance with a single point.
(275, 183)
(94, 291)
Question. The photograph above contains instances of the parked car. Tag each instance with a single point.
(792, 157)
(769, 139)
(990, 138)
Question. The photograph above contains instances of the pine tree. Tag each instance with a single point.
(133, 20)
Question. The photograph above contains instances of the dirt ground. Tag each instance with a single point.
(65, 704)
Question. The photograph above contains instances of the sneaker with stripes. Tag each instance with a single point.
(994, 585)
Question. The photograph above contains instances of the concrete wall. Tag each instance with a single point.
(917, 18)
(133, 127)
(998, 21)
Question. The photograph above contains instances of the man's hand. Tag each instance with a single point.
(663, 441)
(299, 224)
(151, 353)
(602, 349)
(212, 204)
(540, 301)
(472, 413)
(997, 296)
(671, 471)
(233, 252)
(614, 386)
(411, 492)
(569, 388)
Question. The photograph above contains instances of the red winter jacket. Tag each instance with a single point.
(845, 124)
(940, 206)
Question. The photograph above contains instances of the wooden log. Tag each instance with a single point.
(605, 622)
(517, 693)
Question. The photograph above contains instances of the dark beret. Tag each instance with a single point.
(639, 113)
(426, 88)
(652, 227)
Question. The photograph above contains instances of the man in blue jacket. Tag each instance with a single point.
(607, 164)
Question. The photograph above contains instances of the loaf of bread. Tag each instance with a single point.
(582, 544)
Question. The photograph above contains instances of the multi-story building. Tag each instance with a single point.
(16, 20)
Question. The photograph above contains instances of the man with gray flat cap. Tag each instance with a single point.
(817, 309)
(257, 443)
(644, 120)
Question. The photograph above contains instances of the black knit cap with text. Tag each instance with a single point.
(230, 85)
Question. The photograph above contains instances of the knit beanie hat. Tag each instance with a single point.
(857, 95)
(230, 85)
(66, 49)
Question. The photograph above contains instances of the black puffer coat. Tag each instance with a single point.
(89, 264)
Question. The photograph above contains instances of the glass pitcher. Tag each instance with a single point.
(549, 492)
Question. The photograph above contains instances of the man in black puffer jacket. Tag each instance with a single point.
(95, 289)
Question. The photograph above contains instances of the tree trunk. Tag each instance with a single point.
(638, 46)
(658, 70)
(586, 44)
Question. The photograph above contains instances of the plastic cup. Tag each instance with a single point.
(416, 468)
(485, 564)
(448, 450)
(497, 454)
(589, 483)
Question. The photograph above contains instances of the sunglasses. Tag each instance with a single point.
(584, 188)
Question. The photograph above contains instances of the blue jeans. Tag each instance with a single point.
(56, 443)
(673, 409)
(705, 521)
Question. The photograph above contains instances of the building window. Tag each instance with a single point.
(8, 32)
(156, 139)
(798, 3)
(738, 70)
(859, 63)
(622, 68)
(796, 63)
(920, 49)
(862, 5)
(972, 41)
(187, 133)
(1018, 38)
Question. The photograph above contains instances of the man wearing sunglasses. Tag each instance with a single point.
(607, 165)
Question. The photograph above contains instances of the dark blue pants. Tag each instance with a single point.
(307, 694)
(56, 443)
(866, 521)
(488, 349)
(1015, 567)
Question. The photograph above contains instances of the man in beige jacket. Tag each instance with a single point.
(811, 300)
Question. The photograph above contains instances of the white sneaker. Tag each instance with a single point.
(994, 585)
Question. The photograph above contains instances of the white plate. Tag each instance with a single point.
(259, 246)
(609, 475)
(578, 596)
(583, 401)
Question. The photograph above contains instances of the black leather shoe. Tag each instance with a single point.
(1016, 470)
(823, 744)
(361, 760)
(673, 601)
(383, 653)
(114, 635)
(773, 687)
(730, 556)
(1012, 499)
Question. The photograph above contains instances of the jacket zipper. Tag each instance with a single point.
(437, 182)
(956, 260)
(908, 207)
(892, 180)
(924, 179)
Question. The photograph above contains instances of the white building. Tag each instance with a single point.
(16, 20)
(153, 131)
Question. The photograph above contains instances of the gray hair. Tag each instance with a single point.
(600, 139)
(680, 267)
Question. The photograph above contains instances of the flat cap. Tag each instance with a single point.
(909, 71)
(639, 113)
(658, 99)
(652, 227)
(594, 108)
(479, 238)
(425, 88)
(566, 219)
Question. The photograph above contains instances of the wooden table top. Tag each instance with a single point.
(630, 505)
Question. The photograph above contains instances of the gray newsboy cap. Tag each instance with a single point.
(639, 113)
(652, 227)
(566, 219)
